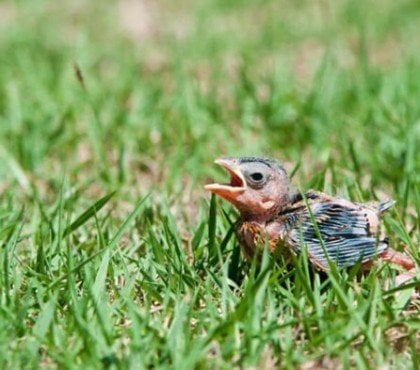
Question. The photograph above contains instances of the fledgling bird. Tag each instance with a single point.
(273, 213)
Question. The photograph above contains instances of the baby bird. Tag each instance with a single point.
(272, 213)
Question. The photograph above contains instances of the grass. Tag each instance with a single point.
(111, 253)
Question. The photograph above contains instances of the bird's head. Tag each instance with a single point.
(258, 187)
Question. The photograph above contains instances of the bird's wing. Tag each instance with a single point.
(345, 233)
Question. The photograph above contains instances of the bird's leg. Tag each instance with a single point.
(398, 258)
(407, 263)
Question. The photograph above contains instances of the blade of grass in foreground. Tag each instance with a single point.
(90, 212)
(8, 245)
(212, 226)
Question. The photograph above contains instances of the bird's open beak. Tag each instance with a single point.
(237, 183)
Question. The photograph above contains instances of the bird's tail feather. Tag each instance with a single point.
(385, 205)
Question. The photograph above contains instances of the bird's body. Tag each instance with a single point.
(346, 231)
(273, 214)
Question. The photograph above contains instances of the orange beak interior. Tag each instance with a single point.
(237, 184)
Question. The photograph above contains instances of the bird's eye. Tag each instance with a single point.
(257, 176)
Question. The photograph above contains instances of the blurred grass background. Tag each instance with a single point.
(332, 87)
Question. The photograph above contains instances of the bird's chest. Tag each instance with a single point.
(254, 236)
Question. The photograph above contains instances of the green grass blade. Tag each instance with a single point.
(89, 213)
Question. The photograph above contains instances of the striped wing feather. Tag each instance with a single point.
(348, 232)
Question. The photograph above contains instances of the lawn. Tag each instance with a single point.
(112, 255)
